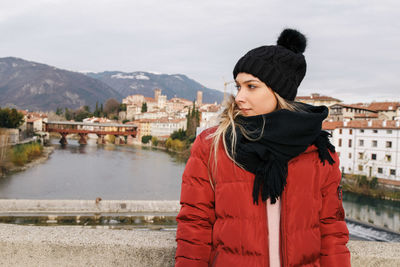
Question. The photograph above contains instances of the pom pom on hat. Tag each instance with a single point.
(293, 40)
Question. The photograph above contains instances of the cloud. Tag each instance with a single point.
(352, 44)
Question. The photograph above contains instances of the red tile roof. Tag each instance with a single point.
(317, 97)
(149, 99)
(356, 106)
(375, 124)
(331, 125)
(384, 106)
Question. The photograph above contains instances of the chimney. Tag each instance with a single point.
(345, 123)
(369, 123)
(384, 123)
(397, 123)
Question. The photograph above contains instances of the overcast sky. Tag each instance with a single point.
(352, 54)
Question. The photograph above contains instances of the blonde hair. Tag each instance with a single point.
(227, 120)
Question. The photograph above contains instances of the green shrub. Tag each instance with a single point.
(362, 180)
(373, 183)
(154, 141)
(21, 154)
(146, 139)
(175, 144)
(180, 134)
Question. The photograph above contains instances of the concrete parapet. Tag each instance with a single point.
(82, 246)
(87, 206)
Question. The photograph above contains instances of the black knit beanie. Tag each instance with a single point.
(281, 67)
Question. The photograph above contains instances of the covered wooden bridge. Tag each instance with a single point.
(84, 128)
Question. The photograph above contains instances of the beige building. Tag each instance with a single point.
(177, 104)
(143, 129)
(133, 100)
(164, 127)
(339, 112)
(318, 100)
(386, 110)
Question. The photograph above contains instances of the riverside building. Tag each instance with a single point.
(370, 148)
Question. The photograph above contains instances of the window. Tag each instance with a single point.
(373, 156)
(388, 144)
(389, 131)
(340, 142)
(349, 155)
(375, 131)
(388, 158)
(374, 143)
(350, 143)
(340, 131)
(361, 142)
(360, 167)
(392, 172)
(351, 131)
(380, 170)
(362, 130)
(360, 155)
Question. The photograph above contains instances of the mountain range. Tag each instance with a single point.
(144, 83)
(36, 86)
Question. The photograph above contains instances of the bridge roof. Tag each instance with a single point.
(92, 124)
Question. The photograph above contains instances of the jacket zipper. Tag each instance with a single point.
(282, 230)
(267, 232)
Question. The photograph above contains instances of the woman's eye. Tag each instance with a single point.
(237, 87)
(251, 86)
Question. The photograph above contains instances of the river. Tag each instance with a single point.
(141, 173)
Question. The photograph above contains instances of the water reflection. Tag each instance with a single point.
(107, 171)
(381, 213)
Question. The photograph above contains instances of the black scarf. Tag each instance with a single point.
(274, 139)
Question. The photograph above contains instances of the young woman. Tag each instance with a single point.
(263, 187)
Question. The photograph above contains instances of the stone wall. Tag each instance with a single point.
(104, 246)
(85, 246)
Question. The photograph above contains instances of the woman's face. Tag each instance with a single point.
(253, 96)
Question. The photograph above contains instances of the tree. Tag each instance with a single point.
(144, 107)
(10, 118)
(59, 111)
(68, 114)
(193, 121)
(86, 108)
(122, 107)
(96, 112)
(82, 114)
(111, 106)
(180, 134)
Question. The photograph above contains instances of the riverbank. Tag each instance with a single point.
(378, 188)
(183, 155)
(11, 168)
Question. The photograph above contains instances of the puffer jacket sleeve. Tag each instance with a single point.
(334, 232)
(197, 216)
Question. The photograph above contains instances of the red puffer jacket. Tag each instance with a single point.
(225, 228)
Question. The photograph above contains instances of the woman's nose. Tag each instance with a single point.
(240, 96)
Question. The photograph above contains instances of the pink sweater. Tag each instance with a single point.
(274, 215)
